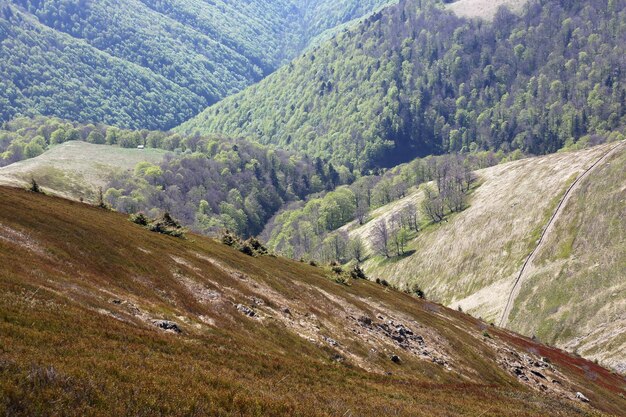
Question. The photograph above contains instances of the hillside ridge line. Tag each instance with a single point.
(555, 216)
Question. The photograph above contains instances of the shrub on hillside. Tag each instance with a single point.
(357, 273)
(165, 225)
(417, 291)
(140, 219)
(34, 187)
(251, 247)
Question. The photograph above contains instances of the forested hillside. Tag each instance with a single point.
(148, 64)
(412, 81)
(220, 183)
(208, 182)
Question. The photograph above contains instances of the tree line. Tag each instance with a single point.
(316, 228)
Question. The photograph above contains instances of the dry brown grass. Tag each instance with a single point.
(575, 296)
(472, 260)
(80, 286)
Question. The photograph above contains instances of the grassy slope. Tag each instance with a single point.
(485, 9)
(576, 295)
(472, 260)
(76, 169)
(80, 287)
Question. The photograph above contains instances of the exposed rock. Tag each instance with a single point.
(439, 361)
(246, 310)
(330, 341)
(167, 326)
(580, 396)
(257, 301)
(538, 374)
(338, 358)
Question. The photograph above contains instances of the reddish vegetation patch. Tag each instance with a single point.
(106, 318)
(577, 365)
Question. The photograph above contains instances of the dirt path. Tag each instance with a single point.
(528, 265)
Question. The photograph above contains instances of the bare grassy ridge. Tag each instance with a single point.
(80, 288)
(473, 259)
(76, 169)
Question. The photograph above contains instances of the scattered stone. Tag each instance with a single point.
(116, 301)
(580, 396)
(167, 326)
(439, 361)
(365, 320)
(246, 310)
(538, 374)
(257, 301)
(287, 311)
(395, 359)
(338, 358)
(330, 341)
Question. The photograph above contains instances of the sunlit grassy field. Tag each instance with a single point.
(485, 9)
(576, 295)
(76, 169)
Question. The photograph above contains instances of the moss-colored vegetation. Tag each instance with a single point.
(149, 64)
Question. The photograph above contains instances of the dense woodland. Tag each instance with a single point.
(415, 79)
(412, 79)
(219, 183)
(148, 64)
(209, 183)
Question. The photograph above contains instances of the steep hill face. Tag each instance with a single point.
(146, 64)
(99, 316)
(416, 79)
(567, 211)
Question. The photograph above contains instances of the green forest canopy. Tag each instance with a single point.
(414, 80)
(147, 64)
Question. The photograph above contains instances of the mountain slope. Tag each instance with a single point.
(146, 64)
(410, 82)
(84, 332)
(76, 169)
(572, 295)
(209, 182)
